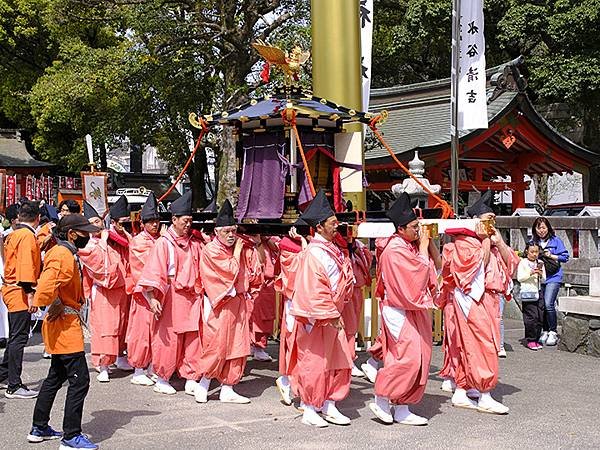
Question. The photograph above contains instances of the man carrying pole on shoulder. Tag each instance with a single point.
(140, 327)
(171, 285)
(406, 285)
(232, 277)
(324, 282)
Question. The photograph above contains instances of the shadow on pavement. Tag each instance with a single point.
(253, 384)
(430, 406)
(107, 421)
(504, 390)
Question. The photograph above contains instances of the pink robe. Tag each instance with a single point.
(104, 285)
(229, 285)
(361, 267)
(120, 243)
(445, 302)
(172, 272)
(289, 259)
(476, 309)
(263, 307)
(405, 283)
(141, 320)
(320, 359)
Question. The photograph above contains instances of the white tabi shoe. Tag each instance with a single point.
(332, 415)
(460, 400)
(190, 387)
(285, 390)
(381, 409)
(228, 395)
(502, 353)
(201, 394)
(123, 364)
(140, 378)
(448, 385)
(488, 405)
(310, 417)
(259, 354)
(473, 393)
(163, 387)
(370, 369)
(403, 415)
(102, 377)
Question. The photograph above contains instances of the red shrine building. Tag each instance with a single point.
(518, 142)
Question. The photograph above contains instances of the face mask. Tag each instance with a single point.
(81, 241)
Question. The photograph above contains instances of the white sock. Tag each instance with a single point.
(383, 403)
(227, 389)
(460, 392)
(373, 363)
(486, 397)
(204, 383)
(285, 381)
(401, 412)
(162, 381)
(103, 369)
(138, 372)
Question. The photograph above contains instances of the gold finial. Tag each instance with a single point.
(289, 63)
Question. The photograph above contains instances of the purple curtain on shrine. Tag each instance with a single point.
(262, 187)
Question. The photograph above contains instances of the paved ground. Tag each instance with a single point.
(553, 397)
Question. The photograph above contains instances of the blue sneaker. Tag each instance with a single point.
(79, 441)
(41, 434)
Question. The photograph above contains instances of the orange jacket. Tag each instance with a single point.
(61, 279)
(22, 264)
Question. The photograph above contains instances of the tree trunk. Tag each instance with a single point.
(591, 139)
(197, 172)
(227, 180)
(103, 157)
(135, 157)
(541, 189)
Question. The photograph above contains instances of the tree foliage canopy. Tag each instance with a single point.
(134, 69)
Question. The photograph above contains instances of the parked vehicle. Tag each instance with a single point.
(135, 196)
(568, 209)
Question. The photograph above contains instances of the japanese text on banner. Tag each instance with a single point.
(472, 99)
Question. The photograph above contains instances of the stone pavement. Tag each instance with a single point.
(553, 398)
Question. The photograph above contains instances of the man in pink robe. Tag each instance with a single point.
(140, 326)
(231, 273)
(361, 258)
(171, 285)
(450, 344)
(481, 266)
(406, 285)
(104, 286)
(290, 249)
(321, 373)
(263, 307)
(119, 240)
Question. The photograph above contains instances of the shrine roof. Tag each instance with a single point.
(14, 154)
(267, 111)
(419, 117)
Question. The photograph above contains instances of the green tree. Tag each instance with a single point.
(123, 70)
(562, 46)
(26, 50)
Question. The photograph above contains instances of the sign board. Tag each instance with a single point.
(94, 186)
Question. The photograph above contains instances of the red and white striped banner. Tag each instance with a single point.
(11, 189)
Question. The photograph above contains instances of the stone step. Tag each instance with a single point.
(580, 304)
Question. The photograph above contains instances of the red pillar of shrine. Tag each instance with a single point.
(518, 196)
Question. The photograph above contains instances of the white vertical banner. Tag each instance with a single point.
(472, 99)
(366, 47)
